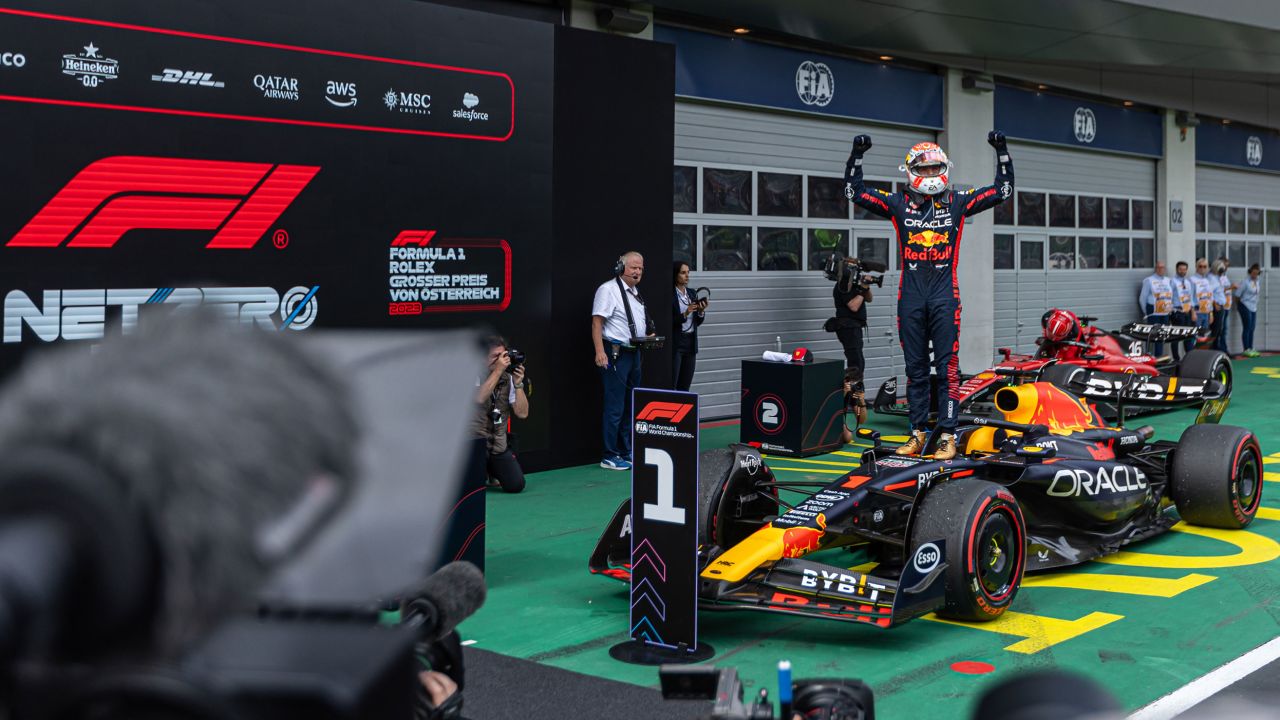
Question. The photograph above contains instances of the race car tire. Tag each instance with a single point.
(713, 470)
(729, 505)
(1216, 479)
(1207, 365)
(986, 546)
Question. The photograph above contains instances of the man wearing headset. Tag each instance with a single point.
(617, 315)
(929, 221)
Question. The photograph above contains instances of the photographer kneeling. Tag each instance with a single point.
(500, 396)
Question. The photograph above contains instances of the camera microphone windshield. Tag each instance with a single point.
(446, 598)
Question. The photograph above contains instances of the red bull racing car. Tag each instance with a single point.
(1048, 484)
(1094, 357)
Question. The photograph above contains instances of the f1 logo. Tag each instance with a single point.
(413, 237)
(114, 195)
(674, 412)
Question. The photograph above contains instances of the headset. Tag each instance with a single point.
(619, 266)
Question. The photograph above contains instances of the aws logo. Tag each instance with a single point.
(929, 238)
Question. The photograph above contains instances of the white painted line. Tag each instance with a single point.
(1204, 687)
(468, 642)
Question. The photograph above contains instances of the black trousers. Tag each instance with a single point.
(683, 361)
(851, 340)
(504, 468)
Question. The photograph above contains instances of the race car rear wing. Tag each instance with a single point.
(1149, 332)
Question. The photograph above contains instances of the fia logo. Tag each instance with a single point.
(815, 84)
(1253, 150)
(1086, 125)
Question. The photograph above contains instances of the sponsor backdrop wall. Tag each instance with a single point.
(303, 164)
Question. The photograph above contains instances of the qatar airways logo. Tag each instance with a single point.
(82, 314)
(110, 197)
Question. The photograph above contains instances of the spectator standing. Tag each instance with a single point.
(1207, 292)
(1156, 300)
(687, 313)
(1247, 294)
(1184, 308)
(617, 315)
(1223, 316)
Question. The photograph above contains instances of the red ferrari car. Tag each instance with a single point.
(1094, 363)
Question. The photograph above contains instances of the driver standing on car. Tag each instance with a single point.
(929, 220)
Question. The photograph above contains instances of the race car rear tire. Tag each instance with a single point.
(730, 508)
(986, 547)
(1216, 479)
(1207, 365)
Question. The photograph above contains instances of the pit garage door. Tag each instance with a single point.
(1079, 234)
(1237, 216)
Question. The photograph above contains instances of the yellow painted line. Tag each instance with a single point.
(808, 470)
(807, 461)
(1037, 632)
(1252, 549)
(845, 453)
(895, 438)
(1125, 584)
(865, 567)
(1266, 513)
(1271, 476)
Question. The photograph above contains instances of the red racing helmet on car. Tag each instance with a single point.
(1060, 325)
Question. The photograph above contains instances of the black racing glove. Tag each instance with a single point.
(861, 144)
(995, 139)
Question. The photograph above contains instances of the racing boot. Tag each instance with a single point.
(914, 445)
(946, 449)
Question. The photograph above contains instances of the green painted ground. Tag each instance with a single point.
(1143, 624)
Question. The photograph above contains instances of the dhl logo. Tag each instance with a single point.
(929, 238)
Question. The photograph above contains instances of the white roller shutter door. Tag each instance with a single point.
(1110, 294)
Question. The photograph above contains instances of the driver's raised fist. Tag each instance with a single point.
(861, 144)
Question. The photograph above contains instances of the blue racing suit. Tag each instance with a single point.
(929, 229)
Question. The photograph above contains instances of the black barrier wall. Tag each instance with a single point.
(614, 135)
(388, 163)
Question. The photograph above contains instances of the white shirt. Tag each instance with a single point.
(1184, 293)
(608, 305)
(1225, 301)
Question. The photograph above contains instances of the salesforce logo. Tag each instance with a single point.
(470, 114)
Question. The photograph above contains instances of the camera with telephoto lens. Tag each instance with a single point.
(516, 357)
(821, 698)
(848, 272)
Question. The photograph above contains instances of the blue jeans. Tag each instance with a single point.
(1158, 320)
(620, 378)
(1249, 321)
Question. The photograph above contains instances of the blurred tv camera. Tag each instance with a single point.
(218, 523)
(848, 272)
(824, 698)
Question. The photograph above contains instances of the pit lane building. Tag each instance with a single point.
(1139, 130)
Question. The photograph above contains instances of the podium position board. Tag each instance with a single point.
(792, 408)
(664, 530)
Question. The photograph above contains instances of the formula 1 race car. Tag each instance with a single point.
(1071, 342)
(1048, 485)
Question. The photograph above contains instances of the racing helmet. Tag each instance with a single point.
(1060, 325)
(928, 168)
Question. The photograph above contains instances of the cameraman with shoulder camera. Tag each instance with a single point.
(850, 322)
(500, 396)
